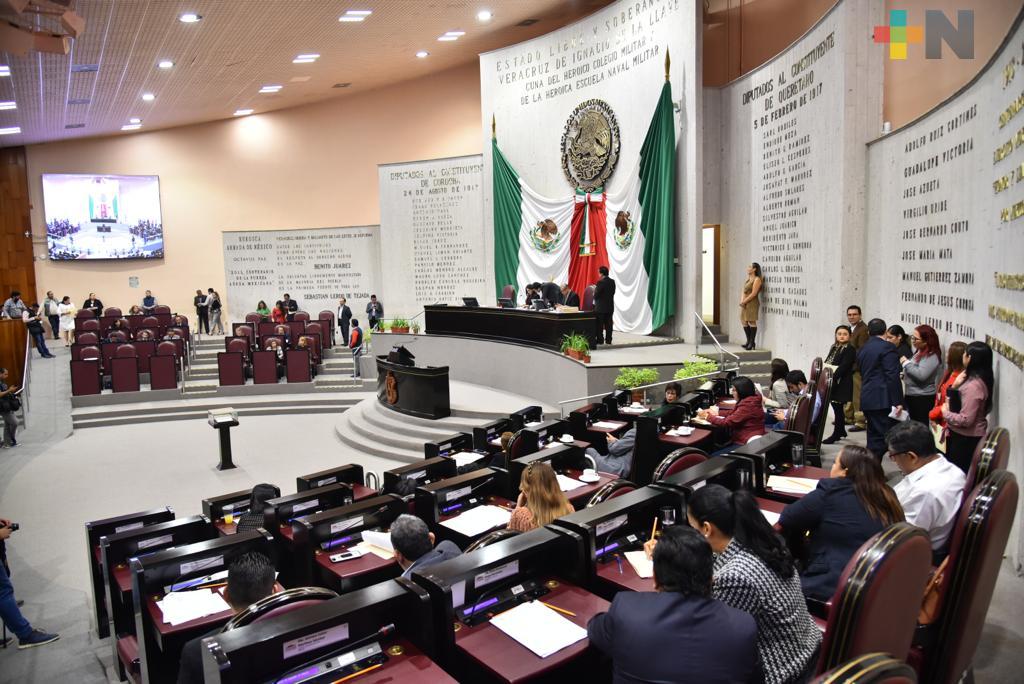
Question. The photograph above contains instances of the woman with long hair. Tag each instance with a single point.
(954, 367)
(840, 358)
(746, 420)
(216, 327)
(67, 310)
(779, 395)
(920, 373)
(263, 310)
(755, 572)
(966, 427)
(847, 508)
(897, 336)
(540, 499)
(750, 303)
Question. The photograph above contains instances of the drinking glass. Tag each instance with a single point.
(668, 516)
(229, 514)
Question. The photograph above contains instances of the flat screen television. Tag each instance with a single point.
(102, 217)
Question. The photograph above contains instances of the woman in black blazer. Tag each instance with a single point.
(845, 510)
(841, 357)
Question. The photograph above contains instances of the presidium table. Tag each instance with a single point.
(543, 329)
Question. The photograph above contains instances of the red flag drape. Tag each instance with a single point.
(590, 253)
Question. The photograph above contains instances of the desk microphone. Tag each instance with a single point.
(382, 633)
(458, 503)
(332, 543)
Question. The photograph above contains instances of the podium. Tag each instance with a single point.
(415, 391)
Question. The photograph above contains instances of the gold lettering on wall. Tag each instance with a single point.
(1008, 352)
(1009, 281)
(1014, 318)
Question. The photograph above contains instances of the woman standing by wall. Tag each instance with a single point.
(954, 367)
(67, 312)
(750, 303)
(968, 424)
(920, 373)
(840, 357)
(216, 327)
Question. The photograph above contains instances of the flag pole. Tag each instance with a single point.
(494, 128)
(668, 63)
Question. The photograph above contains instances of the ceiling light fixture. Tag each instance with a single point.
(189, 18)
(270, 88)
(134, 121)
(422, 54)
(300, 60)
(8, 105)
(457, 34)
(131, 127)
(355, 15)
(448, 39)
(13, 130)
(243, 112)
(166, 64)
(311, 55)
(5, 70)
(484, 15)
(148, 97)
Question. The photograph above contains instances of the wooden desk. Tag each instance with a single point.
(412, 666)
(576, 442)
(164, 632)
(627, 580)
(123, 577)
(544, 329)
(492, 500)
(356, 573)
(224, 528)
(580, 496)
(619, 424)
(809, 472)
(695, 439)
(360, 492)
(510, 661)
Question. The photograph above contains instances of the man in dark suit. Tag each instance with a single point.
(604, 305)
(344, 317)
(677, 633)
(94, 304)
(880, 388)
(414, 545)
(290, 306)
(552, 294)
(250, 578)
(570, 298)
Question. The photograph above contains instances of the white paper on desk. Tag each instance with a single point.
(771, 516)
(182, 606)
(375, 550)
(479, 520)
(567, 484)
(539, 628)
(641, 563)
(606, 425)
(382, 540)
(464, 458)
(901, 416)
(792, 485)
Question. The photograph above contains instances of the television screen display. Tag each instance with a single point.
(103, 217)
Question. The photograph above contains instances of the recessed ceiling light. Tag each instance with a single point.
(134, 121)
(484, 15)
(148, 97)
(455, 33)
(422, 54)
(166, 64)
(13, 130)
(189, 18)
(5, 70)
(355, 15)
(131, 127)
(8, 105)
(311, 55)
(243, 112)
(270, 88)
(448, 39)
(298, 60)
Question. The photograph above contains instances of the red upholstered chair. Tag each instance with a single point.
(326, 318)
(167, 348)
(147, 334)
(297, 365)
(117, 336)
(509, 292)
(315, 328)
(878, 597)
(124, 369)
(871, 668)
(301, 316)
(163, 372)
(85, 313)
(162, 309)
(112, 311)
(128, 654)
(282, 330)
(230, 368)
(253, 318)
(90, 325)
(799, 416)
(247, 332)
(238, 344)
(993, 453)
(85, 374)
(91, 353)
(520, 446)
(490, 538)
(610, 491)
(264, 367)
(587, 303)
(975, 556)
(88, 338)
(816, 366)
(150, 322)
(822, 391)
(126, 351)
(279, 604)
(678, 461)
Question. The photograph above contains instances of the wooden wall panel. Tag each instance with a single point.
(17, 268)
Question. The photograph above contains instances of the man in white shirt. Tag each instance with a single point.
(931, 488)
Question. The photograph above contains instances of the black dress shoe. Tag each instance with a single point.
(857, 428)
(833, 439)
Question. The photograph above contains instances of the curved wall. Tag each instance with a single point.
(946, 225)
(306, 167)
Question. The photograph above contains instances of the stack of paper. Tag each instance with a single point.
(771, 516)
(680, 432)
(182, 606)
(539, 628)
(377, 543)
(606, 425)
(479, 520)
(792, 485)
(464, 458)
(567, 484)
(641, 563)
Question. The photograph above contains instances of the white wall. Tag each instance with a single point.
(936, 221)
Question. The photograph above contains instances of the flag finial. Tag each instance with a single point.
(668, 63)
(494, 128)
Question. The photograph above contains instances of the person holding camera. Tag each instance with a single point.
(9, 403)
(12, 618)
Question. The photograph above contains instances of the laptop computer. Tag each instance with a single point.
(470, 301)
(506, 303)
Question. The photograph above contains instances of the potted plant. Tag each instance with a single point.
(697, 366)
(415, 327)
(399, 325)
(631, 378)
(582, 346)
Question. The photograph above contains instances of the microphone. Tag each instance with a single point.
(459, 502)
(382, 633)
(338, 541)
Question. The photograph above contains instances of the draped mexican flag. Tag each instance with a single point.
(561, 240)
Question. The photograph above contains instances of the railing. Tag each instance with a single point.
(722, 352)
(25, 380)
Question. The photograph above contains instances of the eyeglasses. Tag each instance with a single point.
(915, 338)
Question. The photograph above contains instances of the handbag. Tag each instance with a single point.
(930, 607)
(11, 403)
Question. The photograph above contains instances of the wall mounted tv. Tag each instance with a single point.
(103, 217)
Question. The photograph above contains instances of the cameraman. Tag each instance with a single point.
(8, 405)
(12, 617)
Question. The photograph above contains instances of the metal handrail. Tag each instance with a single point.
(721, 350)
(25, 380)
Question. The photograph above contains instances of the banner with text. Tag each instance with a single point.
(316, 266)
